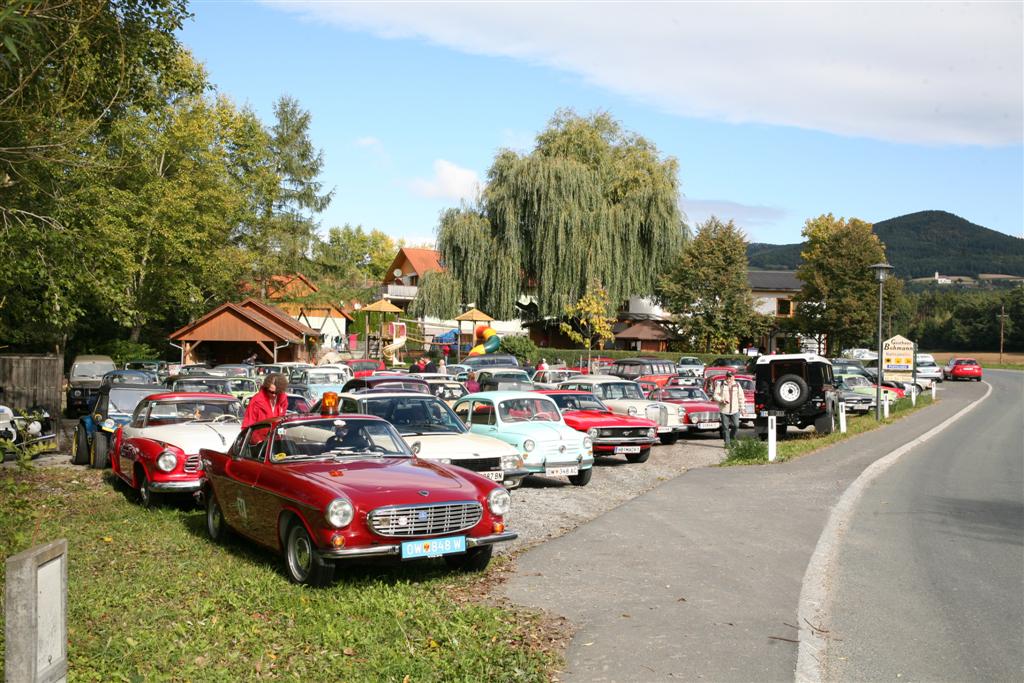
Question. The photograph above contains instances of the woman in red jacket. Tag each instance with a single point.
(269, 402)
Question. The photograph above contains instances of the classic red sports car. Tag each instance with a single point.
(962, 368)
(611, 434)
(324, 488)
(745, 381)
(702, 414)
(364, 367)
(158, 451)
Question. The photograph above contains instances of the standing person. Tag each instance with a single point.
(431, 366)
(731, 402)
(472, 386)
(269, 402)
(442, 367)
(542, 365)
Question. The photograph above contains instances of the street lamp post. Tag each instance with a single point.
(882, 272)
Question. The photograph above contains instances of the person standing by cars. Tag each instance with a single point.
(431, 366)
(731, 403)
(269, 402)
(472, 386)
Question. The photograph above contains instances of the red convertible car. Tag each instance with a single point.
(962, 368)
(611, 434)
(322, 488)
(158, 450)
(702, 414)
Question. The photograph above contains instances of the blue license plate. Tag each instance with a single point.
(434, 547)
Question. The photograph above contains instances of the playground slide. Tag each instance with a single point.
(389, 350)
(487, 340)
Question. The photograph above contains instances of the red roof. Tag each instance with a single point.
(422, 261)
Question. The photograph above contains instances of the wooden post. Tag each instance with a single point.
(1002, 321)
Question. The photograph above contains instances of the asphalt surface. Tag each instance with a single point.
(930, 579)
(701, 577)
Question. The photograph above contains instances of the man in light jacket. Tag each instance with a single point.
(731, 402)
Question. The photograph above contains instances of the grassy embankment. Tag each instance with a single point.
(754, 452)
(150, 598)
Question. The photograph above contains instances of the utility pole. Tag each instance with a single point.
(1002, 322)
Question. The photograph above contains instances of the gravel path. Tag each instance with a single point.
(544, 508)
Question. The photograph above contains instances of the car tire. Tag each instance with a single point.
(473, 560)
(780, 432)
(303, 564)
(98, 456)
(790, 391)
(216, 527)
(142, 488)
(582, 478)
(825, 424)
(668, 439)
(642, 456)
(80, 447)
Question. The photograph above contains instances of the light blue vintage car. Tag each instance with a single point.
(532, 423)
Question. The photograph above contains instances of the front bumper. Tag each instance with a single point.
(396, 549)
(669, 429)
(609, 445)
(175, 486)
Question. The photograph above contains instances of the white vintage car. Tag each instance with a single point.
(627, 398)
(434, 432)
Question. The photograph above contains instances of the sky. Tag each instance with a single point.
(776, 111)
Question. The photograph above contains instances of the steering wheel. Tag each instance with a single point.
(226, 417)
(547, 417)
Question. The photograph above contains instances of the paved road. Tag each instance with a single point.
(930, 580)
(701, 577)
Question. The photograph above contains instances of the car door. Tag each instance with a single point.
(482, 417)
(127, 453)
(238, 500)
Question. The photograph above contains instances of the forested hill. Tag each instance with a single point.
(919, 244)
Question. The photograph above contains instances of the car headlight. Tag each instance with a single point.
(445, 461)
(511, 462)
(499, 501)
(681, 411)
(340, 513)
(631, 410)
(76, 392)
(109, 424)
(587, 443)
(167, 461)
(592, 432)
(529, 445)
(651, 433)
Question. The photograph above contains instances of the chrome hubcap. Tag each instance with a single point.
(789, 391)
(301, 555)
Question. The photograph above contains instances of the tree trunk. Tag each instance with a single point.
(135, 334)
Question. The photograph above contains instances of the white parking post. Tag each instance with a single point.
(885, 406)
(933, 390)
(842, 417)
(913, 396)
(771, 438)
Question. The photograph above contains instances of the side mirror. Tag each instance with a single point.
(416, 447)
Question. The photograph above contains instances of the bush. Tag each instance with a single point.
(122, 351)
(522, 347)
(747, 450)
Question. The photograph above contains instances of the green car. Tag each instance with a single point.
(862, 385)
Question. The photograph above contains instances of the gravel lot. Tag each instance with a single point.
(545, 508)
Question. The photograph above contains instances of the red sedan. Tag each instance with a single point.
(324, 488)
(610, 433)
(364, 367)
(962, 368)
(702, 414)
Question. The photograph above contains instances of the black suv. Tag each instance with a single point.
(798, 389)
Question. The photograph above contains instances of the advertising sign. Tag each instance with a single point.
(898, 359)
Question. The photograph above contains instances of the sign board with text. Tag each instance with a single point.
(898, 359)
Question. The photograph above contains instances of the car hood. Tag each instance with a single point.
(81, 383)
(546, 431)
(384, 475)
(585, 419)
(192, 437)
(696, 406)
(468, 445)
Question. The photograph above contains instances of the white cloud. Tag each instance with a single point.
(368, 141)
(449, 182)
(920, 72)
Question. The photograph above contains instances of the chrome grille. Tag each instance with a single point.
(192, 463)
(425, 520)
(478, 464)
(705, 417)
(621, 432)
(658, 413)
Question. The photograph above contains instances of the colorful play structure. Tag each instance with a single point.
(487, 341)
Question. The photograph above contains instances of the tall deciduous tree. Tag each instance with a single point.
(438, 296)
(589, 321)
(590, 202)
(707, 289)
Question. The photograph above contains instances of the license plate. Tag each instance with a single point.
(707, 425)
(434, 547)
(627, 449)
(746, 416)
(560, 471)
(494, 476)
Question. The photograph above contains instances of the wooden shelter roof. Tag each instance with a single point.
(474, 315)
(645, 330)
(280, 317)
(381, 306)
(232, 322)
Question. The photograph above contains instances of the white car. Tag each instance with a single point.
(550, 379)
(928, 369)
(627, 398)
(434, 432)
(690, 366)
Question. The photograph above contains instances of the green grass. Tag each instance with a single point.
(151, 598)
(801, 443)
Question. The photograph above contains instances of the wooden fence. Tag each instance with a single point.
(30, 380)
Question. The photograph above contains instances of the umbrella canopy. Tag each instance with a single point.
(474, 315)
(382, 306)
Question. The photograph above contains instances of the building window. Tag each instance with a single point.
(783, 308)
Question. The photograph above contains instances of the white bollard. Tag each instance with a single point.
(771, 438)
(933, 390)
(913, 396)
(885, 406)
(842, 417)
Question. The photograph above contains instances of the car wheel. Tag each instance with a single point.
(216, 527)
(145, 494)
(303, 563)
(668, 439)
(825, 424)
(98, 459)
(790, 391)
(80, 447)
(780, 432)
(473, 560)
(582, 478)
(639, 457)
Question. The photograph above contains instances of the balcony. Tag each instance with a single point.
(400, 292)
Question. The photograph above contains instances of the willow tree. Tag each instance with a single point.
(590, 203)
(438, 296)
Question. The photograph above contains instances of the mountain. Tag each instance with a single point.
(919, 244)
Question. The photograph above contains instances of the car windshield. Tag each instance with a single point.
(325, 378)
(336, 438)
(196, 410)
(926, 364)
(856, 381)
(528, 410)
(141, 365)
(620, 390)
(123, 401)
(246, 385)
(215, 386)
(966, 361)
(571, 402)
(687, 360)
(399, 385)
(415, 414)
(92, 369)
(364, 366)
(447, 391)
(297, 404)
(685, 394)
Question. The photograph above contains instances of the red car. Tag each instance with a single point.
(702, 414)
(364, 367)
(745, 381)
(611, 434)
(962, 368)
(158, 450)
(600, 363)
(323, 488)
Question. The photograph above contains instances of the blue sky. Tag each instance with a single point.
(777, 112)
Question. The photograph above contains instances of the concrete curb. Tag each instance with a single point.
(813, 615)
